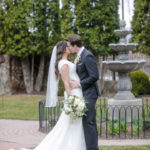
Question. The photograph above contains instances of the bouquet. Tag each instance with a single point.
(74, 106)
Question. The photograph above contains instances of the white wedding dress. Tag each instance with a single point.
(66, 135)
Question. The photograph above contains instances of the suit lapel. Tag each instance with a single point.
(82, 54)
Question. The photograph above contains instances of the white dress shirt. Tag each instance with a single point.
(80, 51)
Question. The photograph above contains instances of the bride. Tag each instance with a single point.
(66, 135)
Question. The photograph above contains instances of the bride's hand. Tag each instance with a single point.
(74, 84)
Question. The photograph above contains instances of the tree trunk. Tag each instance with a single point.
(5, 88)
(32, 73)
(27, 74)
(39, 79)
(12, 68)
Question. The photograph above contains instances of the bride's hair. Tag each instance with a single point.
(61, 48)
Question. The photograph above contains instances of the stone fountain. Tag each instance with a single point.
(124, 97)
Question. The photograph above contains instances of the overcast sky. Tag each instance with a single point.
(128, 6)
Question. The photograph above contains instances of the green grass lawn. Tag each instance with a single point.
(24, 107)
(124, 147)
(19, 107)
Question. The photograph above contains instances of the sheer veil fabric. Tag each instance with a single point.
(52, 84)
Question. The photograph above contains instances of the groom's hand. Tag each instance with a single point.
(74, 84)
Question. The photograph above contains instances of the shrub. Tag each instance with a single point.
(140, 83)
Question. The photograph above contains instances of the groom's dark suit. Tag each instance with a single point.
(88, 74)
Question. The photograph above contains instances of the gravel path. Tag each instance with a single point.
(16, 134)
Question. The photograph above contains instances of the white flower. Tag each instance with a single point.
(77, 60)
(80, 106)
(71, 97)
(77, 101)
(70, 101)
(67, 109)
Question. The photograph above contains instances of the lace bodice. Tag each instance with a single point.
(72, 76)
(72, 69)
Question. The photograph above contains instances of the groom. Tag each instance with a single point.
(86, 68)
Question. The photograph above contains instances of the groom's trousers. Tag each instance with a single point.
(90, 127)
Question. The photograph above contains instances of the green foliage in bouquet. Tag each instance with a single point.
(140, 83)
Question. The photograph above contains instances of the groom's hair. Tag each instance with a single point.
(75, 40)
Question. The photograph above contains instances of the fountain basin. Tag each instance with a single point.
(124, 66)
(123, 32)
(122, 47)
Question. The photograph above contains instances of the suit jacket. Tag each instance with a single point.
(88, 73)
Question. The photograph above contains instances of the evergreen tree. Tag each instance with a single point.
(2, 13)
(14, 34)
(141, 26)
(95, 22)
(46, 32)
(45, 25)
(29, 28)
(67, 18)
(32, 27)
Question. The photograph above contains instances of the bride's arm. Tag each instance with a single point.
(65, 78)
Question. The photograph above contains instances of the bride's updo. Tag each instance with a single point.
(61, 48)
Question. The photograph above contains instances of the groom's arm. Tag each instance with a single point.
(93, 74)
